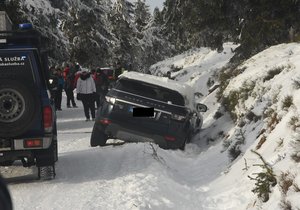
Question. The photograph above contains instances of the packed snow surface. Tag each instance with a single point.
(143, 176)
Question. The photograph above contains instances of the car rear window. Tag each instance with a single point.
(150, 91)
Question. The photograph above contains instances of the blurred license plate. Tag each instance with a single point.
(142, 112)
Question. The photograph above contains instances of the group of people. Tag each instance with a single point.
(91, 87)
(62, 80)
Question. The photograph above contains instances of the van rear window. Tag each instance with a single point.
(16, 64)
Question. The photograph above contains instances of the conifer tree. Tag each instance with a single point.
(13, 10)
(157, 17)
(141, 14)
(121, 19)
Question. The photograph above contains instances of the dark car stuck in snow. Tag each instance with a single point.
(27, 115)
(146, 108)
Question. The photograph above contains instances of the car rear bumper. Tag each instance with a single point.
(115, 130)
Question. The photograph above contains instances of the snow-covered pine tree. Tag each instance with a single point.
(13, 9)
(87, 33)
(141, 14)
(121, 19)
(153, 46)
(157, 17)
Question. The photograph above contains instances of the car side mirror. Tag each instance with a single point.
(201, 107)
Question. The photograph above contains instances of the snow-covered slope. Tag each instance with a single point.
(205, 175)
(269, 104)
(265, 100)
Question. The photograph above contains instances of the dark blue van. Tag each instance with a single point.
(27, 115)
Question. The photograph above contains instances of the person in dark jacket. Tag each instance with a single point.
(118, 70)
(86, 89)
(52, 82)
(69, 87)
(102, 83)
(57, 87)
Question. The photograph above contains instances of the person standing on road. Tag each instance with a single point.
(86, 90)
(58, 82)
(101, 82)
(69, 87)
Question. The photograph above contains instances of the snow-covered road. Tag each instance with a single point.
(129, 176)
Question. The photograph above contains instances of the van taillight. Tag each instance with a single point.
(47, 114)
(28, 143)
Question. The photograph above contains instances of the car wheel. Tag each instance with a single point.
(18, 108)
(182, 147)
(98, 138)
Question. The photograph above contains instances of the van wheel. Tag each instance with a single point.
(46, 172)
(18, 108)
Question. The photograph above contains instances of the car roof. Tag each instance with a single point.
(184, 89)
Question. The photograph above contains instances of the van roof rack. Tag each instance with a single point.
(22, 38)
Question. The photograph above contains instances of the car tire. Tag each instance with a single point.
(98, 138)
(18, 108)
(182, 147)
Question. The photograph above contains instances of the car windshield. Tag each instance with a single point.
(150, 91)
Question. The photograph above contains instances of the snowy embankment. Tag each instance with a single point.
(267, 112)
(263, 96)
(142, 176)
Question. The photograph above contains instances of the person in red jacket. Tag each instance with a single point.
(66, 71)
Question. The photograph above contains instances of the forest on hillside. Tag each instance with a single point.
(101, 32)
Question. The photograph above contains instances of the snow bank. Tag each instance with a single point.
(274, 100)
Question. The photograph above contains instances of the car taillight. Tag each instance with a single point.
(178, 117)
(105, 121)
(170, 138)
(28, 143)
(110, 99)
(47, 116)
